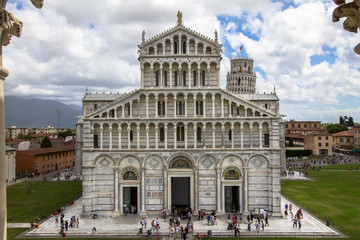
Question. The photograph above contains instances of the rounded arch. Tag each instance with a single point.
(130, 173)
(182, 155)
(228, 156)
(231, 173)
(123, 158)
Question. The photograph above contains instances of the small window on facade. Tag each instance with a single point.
(175, 78)
(319, 138)
(157, 78)
(95, 106)
(184, 78)
(203, 78)
(229, 135)
(195, 75)
(315, 125)
(293, 125)
(165, 78)
(319, 144)
(305, 125)
(327, 138)
(96, 142)
(131, 135)
(327, 144)
(198, 134)
(162, 134)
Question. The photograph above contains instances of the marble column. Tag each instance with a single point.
(129, 144)
(119, 129)
(165, 102)
(142, 75)
(156, 106)
(175, 137)
(170, 73)
(116, 190)
(246, 109)
(165, 195)
(185, 135)
(194, 128)
(194, 106)
(222, 107)
(204, 106)
(199, 78)
(147, 137)
(204, 133)
(138, 136)
(172, 47)
(241, 136)
(166, 136)
(230, 113)
(122, 111)
(185, 106)
(174, 106)
(260, 137)
(208, 76)
(218, 189)
(232, 136)
(110, 137)
(161, 77)
(156, 137)
(101, 137)
(270, 137)
(142, 192)
(246, 198)
(213, 106)
(251, 136)
(131, 108)
(196, 185)
(222, 136)
(151, 76)
(213, 136)
(147, 106)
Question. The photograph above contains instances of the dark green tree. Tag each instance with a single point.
(335, 128)
(291, 142)
(341, 120)
(64, 134)
(45, 143)
(350, 122)
(25, 137)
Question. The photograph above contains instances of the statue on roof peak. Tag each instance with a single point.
(179, 16)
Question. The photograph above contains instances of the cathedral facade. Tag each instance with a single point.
(180, 140)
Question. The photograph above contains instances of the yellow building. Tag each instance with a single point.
(344, 140)
(357, 137)
(319, 142)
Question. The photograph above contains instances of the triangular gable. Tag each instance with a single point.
(170, 31)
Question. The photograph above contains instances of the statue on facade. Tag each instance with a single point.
(143, 36)
(179, 15)
(216, 36)
(351, 11)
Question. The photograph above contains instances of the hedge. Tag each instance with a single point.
(298, 153)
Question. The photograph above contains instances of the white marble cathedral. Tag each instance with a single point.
(180, 140)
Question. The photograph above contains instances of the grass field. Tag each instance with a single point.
(334, 195)
(342, 166)
(47, 197)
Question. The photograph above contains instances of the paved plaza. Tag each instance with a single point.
(129, 226)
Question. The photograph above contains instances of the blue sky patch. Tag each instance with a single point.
(328, 56)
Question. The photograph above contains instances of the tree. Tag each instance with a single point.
(25, 137)
(46, 143)
(341, 120)
(350, 122)
(291, 142)
(335, 128)
(64, 134)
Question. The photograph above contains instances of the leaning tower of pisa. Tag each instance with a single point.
(241, 79)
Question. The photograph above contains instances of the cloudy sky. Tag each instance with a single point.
(73, 44)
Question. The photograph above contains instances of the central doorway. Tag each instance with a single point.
(232, 203)
(130, 199)
(180, 192)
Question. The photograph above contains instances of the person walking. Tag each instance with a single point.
(93, 231)
(145, 222)
(66, 225)
(299, 223)
(295, 222)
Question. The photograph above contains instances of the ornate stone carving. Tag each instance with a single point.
(179, 15)
(231, 173)
(130, 161)
(153, 163)
(351, 11)
(130, 173)
(257, 162)
(207, 162)
(105, 163)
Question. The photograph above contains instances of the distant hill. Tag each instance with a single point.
(34, 113)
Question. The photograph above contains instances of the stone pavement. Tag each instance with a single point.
(129, 226)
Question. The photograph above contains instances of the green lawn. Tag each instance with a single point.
(47, 197)
(334, 195)
(342, 166)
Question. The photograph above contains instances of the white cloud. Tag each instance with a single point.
(59, 53)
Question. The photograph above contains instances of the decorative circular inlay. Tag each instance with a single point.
(130, 161)
(231, 160)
